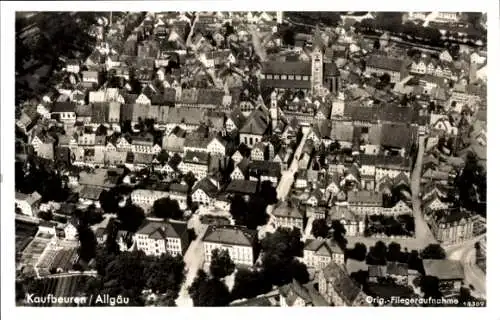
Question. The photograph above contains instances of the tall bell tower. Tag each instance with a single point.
(317, 62)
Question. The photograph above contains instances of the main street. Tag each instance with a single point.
(423, 233)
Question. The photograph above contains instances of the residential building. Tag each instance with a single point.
(296, 295)
(450, 274)
(396, 68)
(318, 253)
(157, 237)
(353, 223)
(205, 191)
(196, 162)
(239, 241)
(288, 215)
(27, 204)
(338, 288)
(365, 202)
(144, 197)
(452, 226)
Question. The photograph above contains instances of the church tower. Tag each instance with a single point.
(317, 63)
(279, 17)
(274, 111)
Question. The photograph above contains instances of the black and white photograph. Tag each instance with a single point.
(248, 158)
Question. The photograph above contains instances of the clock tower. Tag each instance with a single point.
(317, 63)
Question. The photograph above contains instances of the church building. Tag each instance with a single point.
(308, 76)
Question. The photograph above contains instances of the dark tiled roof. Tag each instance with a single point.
(232, 235)
(384, 62)
(207, 186)
(286, 68)
(343, 285)
(443, 269)
(163, 230)
(64, 107)
(242, 186)
(396, 268)
(396, 135)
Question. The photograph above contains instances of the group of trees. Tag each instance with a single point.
(209, 290)
(321, 229)
(471, 185)
(131, 217)
(380, 254)
(129, 273)
(252, 213)
(403, 225)
(38, 175)
(167, 208)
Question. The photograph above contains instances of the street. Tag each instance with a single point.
(466, 253)
(194, 259)
(423, 233)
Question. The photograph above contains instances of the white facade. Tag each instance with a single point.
(242, 255)
(157, 247)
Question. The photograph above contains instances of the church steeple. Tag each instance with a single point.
(317, 62)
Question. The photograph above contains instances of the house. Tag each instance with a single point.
(376, 272)
(265, 171)
(254, 128)
(240, 171)
(338, 288)
(396, 68)
(90, 77)
(173, 142)
(217, 146)
(296, 295)
(73, 66)
(64, 111)
(452, 226)
(144, 197)
(157, 238)
(433, 203)
(239, 241)
(353, 223)
(450, 274)
(318, 253)
(397, 271)
(43, 145)
(28, 204)
(205, 191)
(288, 215)
(258, 151)
(242, 187)
(196, 162)
(70, 229)
(235, 120)
(365, 202)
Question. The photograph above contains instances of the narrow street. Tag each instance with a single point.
(423, 233)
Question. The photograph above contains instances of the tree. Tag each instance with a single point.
(376, 44)
(377, 254)
(430, 287)
(131, 217)
(415, 262)
(249, 284)
(433, 251)
(385, 79)
(167, 208)
(268, 192)
(109, 200)
(208, 292)
(279, 251)
(320, 228)
(88, 242)
(238, 209)
(163, 157)
(45, 215)
(190, 179)
(165, 275)
(221, 264)
(358, 252)
(339, 234)
(393, 251)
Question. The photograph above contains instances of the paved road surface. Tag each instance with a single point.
(466, 253)
(194, 259)
(423, 233)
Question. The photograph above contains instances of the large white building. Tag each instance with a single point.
(156, 238)
(238, 241)
(318, 253)
(147, 197)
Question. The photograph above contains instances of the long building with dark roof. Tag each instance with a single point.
(239, 241)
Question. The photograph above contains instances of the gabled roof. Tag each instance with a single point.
(207, 186)
(287, 209)
(232, 235)
(343, 285)
(256, 124)
(63, 107)
(443, 269)
(163, 230)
